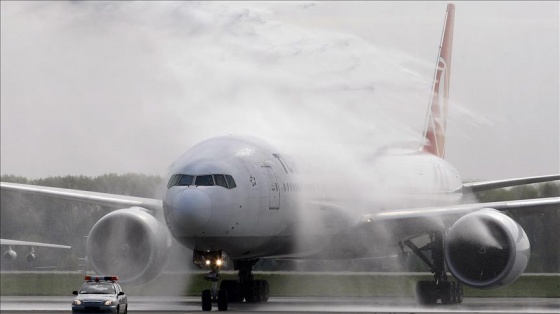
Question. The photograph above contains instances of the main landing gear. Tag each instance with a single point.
(246, 287)
(235, 291)
(429, 292)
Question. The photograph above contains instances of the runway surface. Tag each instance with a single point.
(144, 305)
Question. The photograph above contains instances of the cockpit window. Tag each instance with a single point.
(174, 180)
(230, 181)
(220, 180)
(186, 180)
(204, 180)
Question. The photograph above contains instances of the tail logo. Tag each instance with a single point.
(434, 131)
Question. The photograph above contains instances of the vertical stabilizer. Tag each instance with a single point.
(434, 131)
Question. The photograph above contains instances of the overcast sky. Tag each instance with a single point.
(97, 87)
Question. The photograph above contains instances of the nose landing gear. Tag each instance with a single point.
(245, 288)
(214, 295)
(214, 260)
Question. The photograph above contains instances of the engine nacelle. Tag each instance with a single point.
(129, 243)
(10, 255)
(31, 257)
(486, 249)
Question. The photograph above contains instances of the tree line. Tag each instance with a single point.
(43, 219)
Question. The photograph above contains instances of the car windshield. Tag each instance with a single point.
(98, 288)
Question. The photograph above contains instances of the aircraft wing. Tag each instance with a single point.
(378, 233)
(103, 199)
(526, 204)
(489, 185)
(403, 223)
(26, 243)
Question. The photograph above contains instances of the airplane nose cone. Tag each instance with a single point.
(191, 209)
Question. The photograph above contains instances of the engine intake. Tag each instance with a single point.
(10, 254)
(129, 243)
(486, 249)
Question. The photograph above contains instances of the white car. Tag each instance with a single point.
(100, 294)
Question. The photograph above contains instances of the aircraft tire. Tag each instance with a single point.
(233, 289)
(206, 300)
(222, 300)
(454, 292)
(425, 292)
(251, 292)
(260, 291)
(447, 292)
(459, 288)
(265, 291)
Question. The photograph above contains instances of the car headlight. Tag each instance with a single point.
(77, 302)
(109, 302)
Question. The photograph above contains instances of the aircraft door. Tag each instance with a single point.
(273, 188)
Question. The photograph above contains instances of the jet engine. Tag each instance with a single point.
(486, 249)
(129, 243)
(10, 254)
(31, 257)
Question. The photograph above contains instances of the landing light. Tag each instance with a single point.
(219, 262)
(207, 262)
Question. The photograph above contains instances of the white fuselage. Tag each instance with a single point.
(275, 209)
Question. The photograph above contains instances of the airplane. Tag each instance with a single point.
(238, 197)
(11, 255)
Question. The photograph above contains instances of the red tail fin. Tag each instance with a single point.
(434, 131)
